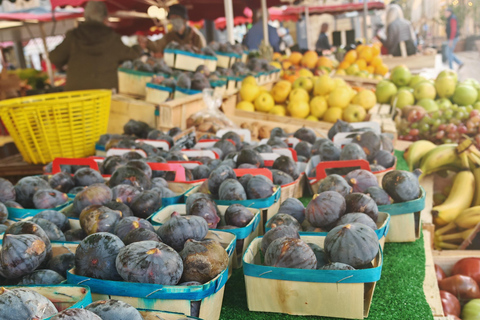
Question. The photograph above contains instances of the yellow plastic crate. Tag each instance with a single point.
(49, 126)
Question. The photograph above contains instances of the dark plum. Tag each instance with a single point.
(26, 188)
(175, 131)
(339, 126)
(203, 260)
(142, 165)
(39, 277)
(112, 163)
(75, 314)
(155, 134)
(149, 262)
(305, 134)
(62, 263)
(283, 219)
(159, 182)
(401, 185)
(352, 151)
(238, 215)
(387, 142)
(361, 180)
(319, 254)
(384, 158)
(119, 206)
(164, 192)
(124, 226)
(97, 218)
(214, 163)
(56, 217)
(95, 256)
(329, 152)
(278, 132)
(201, 172)
(231, 189)
(376, 167)
(378, 195)
(76, 190)
(49, 198)
(359, 202)
(293, 207)
(335, 182)
(263, 148)
(7, 190)
(97, 194)
(205, 208)
(276, 233)
(290, 253)
(140, 234)
(21, 255)
(304, 149)
(137, 128)
(86, 177)
(359, 217)
(24, 303)
(114, 310)
(230, 163)
(302, 159)
(3, 228)
(51, 229)
(316, 146)
(276, 142)
(250, 156)
(156, 159)
(219, 175)
(235, 137)
(131, 176)
(325, 209)
(125, 193)
(145, 204)
(176, 231)
(62, 182)
(132, 155)
(194, 305)
(191, 199)
(3, 213)
(370, 143)
(337, 266)
(287, 165)
(29, 227)
(75, 235)
(281, 178)
(226, 146)
(260, 187)
(244, 180)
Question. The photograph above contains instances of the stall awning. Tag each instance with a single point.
(334, 9)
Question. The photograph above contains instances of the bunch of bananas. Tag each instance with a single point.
(457, 217)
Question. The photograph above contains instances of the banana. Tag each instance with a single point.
(459, 236)
(444, 245)
(469, 218)
(459, 199)
(476, 198)
(416, 151)
(445, 229)
(438, 158)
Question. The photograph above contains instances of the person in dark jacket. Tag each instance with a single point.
(254, 36)
(323, 43)
(452, 37)
(92, 52)
(398, 30)
(180, 33)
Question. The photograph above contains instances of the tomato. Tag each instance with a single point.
(450, 304)
(462, 287)
(468, 267)
(440, 273)
(471, 311)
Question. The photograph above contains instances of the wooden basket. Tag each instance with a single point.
(156, 93)
(188, 61)
(226, 60)
(133, 82)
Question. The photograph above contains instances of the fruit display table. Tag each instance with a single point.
(399, 293)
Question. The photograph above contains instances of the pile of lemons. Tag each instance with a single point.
(365, 61)
(312, 98)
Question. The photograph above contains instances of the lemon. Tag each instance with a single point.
(299, 94)
(318, 106)
(366, 99)
(339, 98)
(278, 110)
(324, 85)
(299, 109)
(305, 73)
(333, 114)
(250, 80)
(264, 102)
(245, 105)
(339, 82)
(249, 92)
(311, 118)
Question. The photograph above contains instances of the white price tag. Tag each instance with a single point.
(121, 151)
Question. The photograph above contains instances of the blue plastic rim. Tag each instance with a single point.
(136, 73)
(159, 87)
(382, 232)
(307, 275)
(231, 55)
(148, 290)
(19, 214)
(416, 205)
(186, 53)
(168, 312)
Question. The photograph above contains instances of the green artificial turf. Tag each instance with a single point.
(398, 295)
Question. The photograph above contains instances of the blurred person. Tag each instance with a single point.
(398, 30)
(323, 43)
(181, 32)
(92, 52)
(301, 28)
(286, 40)
(452, 38)
(254, 36)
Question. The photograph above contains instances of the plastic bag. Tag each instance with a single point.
(211, 119)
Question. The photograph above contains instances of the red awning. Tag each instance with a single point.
(44, 17)
(335, 9)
